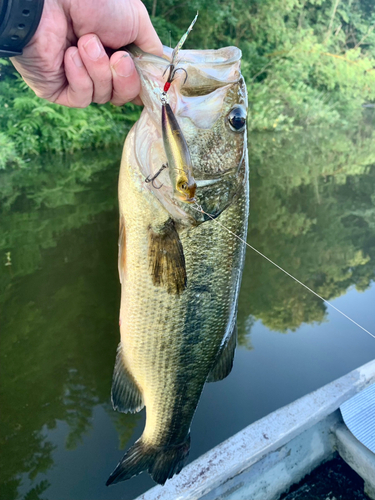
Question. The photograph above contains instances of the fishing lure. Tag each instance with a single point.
(175, 146)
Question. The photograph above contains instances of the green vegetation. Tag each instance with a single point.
(306, 62)
(30, 126)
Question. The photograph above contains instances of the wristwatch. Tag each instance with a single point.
(19, 20)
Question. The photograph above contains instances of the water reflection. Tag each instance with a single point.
(313, 212)
(59, 305)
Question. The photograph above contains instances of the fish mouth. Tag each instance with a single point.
(211, 76)
(208, 70)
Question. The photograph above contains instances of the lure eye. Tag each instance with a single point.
(183, 187)
(187, 190)
(237, 119)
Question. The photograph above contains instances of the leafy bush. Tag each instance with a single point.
(31, 126)
(305, 61)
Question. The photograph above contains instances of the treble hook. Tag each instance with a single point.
(180, 69)
(170, 67)
(172, 73)
(148, 179)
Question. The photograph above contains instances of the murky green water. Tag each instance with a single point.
(312, 211)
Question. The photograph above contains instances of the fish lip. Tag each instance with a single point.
(136, 53)
(229, 55)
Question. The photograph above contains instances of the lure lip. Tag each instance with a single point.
(188, 198)
(192, 188)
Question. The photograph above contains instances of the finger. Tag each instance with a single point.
(117, 24)
(126, 84)
(78, 92)
(96, 62)
(147, 39)
(137, 101)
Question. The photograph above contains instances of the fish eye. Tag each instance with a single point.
(183, 186)
(237, 119)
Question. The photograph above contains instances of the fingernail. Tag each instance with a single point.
(77, 59)
(123, 67)
(94, 48)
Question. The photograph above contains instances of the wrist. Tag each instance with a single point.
(19, 22)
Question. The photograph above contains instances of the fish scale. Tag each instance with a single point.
(200, 327)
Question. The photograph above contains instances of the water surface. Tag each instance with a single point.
(312, 211)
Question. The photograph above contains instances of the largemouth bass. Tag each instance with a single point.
(179, 269)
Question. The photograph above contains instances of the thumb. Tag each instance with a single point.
(117, 23)
(147, 39)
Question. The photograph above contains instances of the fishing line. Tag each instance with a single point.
(198, 208)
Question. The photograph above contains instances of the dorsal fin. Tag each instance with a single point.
(126, 396)
(166, 258)
(224, 361)
(121, 249)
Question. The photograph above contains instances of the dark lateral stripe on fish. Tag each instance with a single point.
(161, 462)
(166, 258)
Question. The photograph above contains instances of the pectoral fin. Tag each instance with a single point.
(126, 397)
(166, 258)
(224, 361)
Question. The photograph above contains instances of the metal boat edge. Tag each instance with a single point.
(264, 459)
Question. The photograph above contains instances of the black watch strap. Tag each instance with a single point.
(19, 20)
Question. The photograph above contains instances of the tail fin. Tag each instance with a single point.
(161, 462)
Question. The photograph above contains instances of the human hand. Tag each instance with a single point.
(65, 61)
